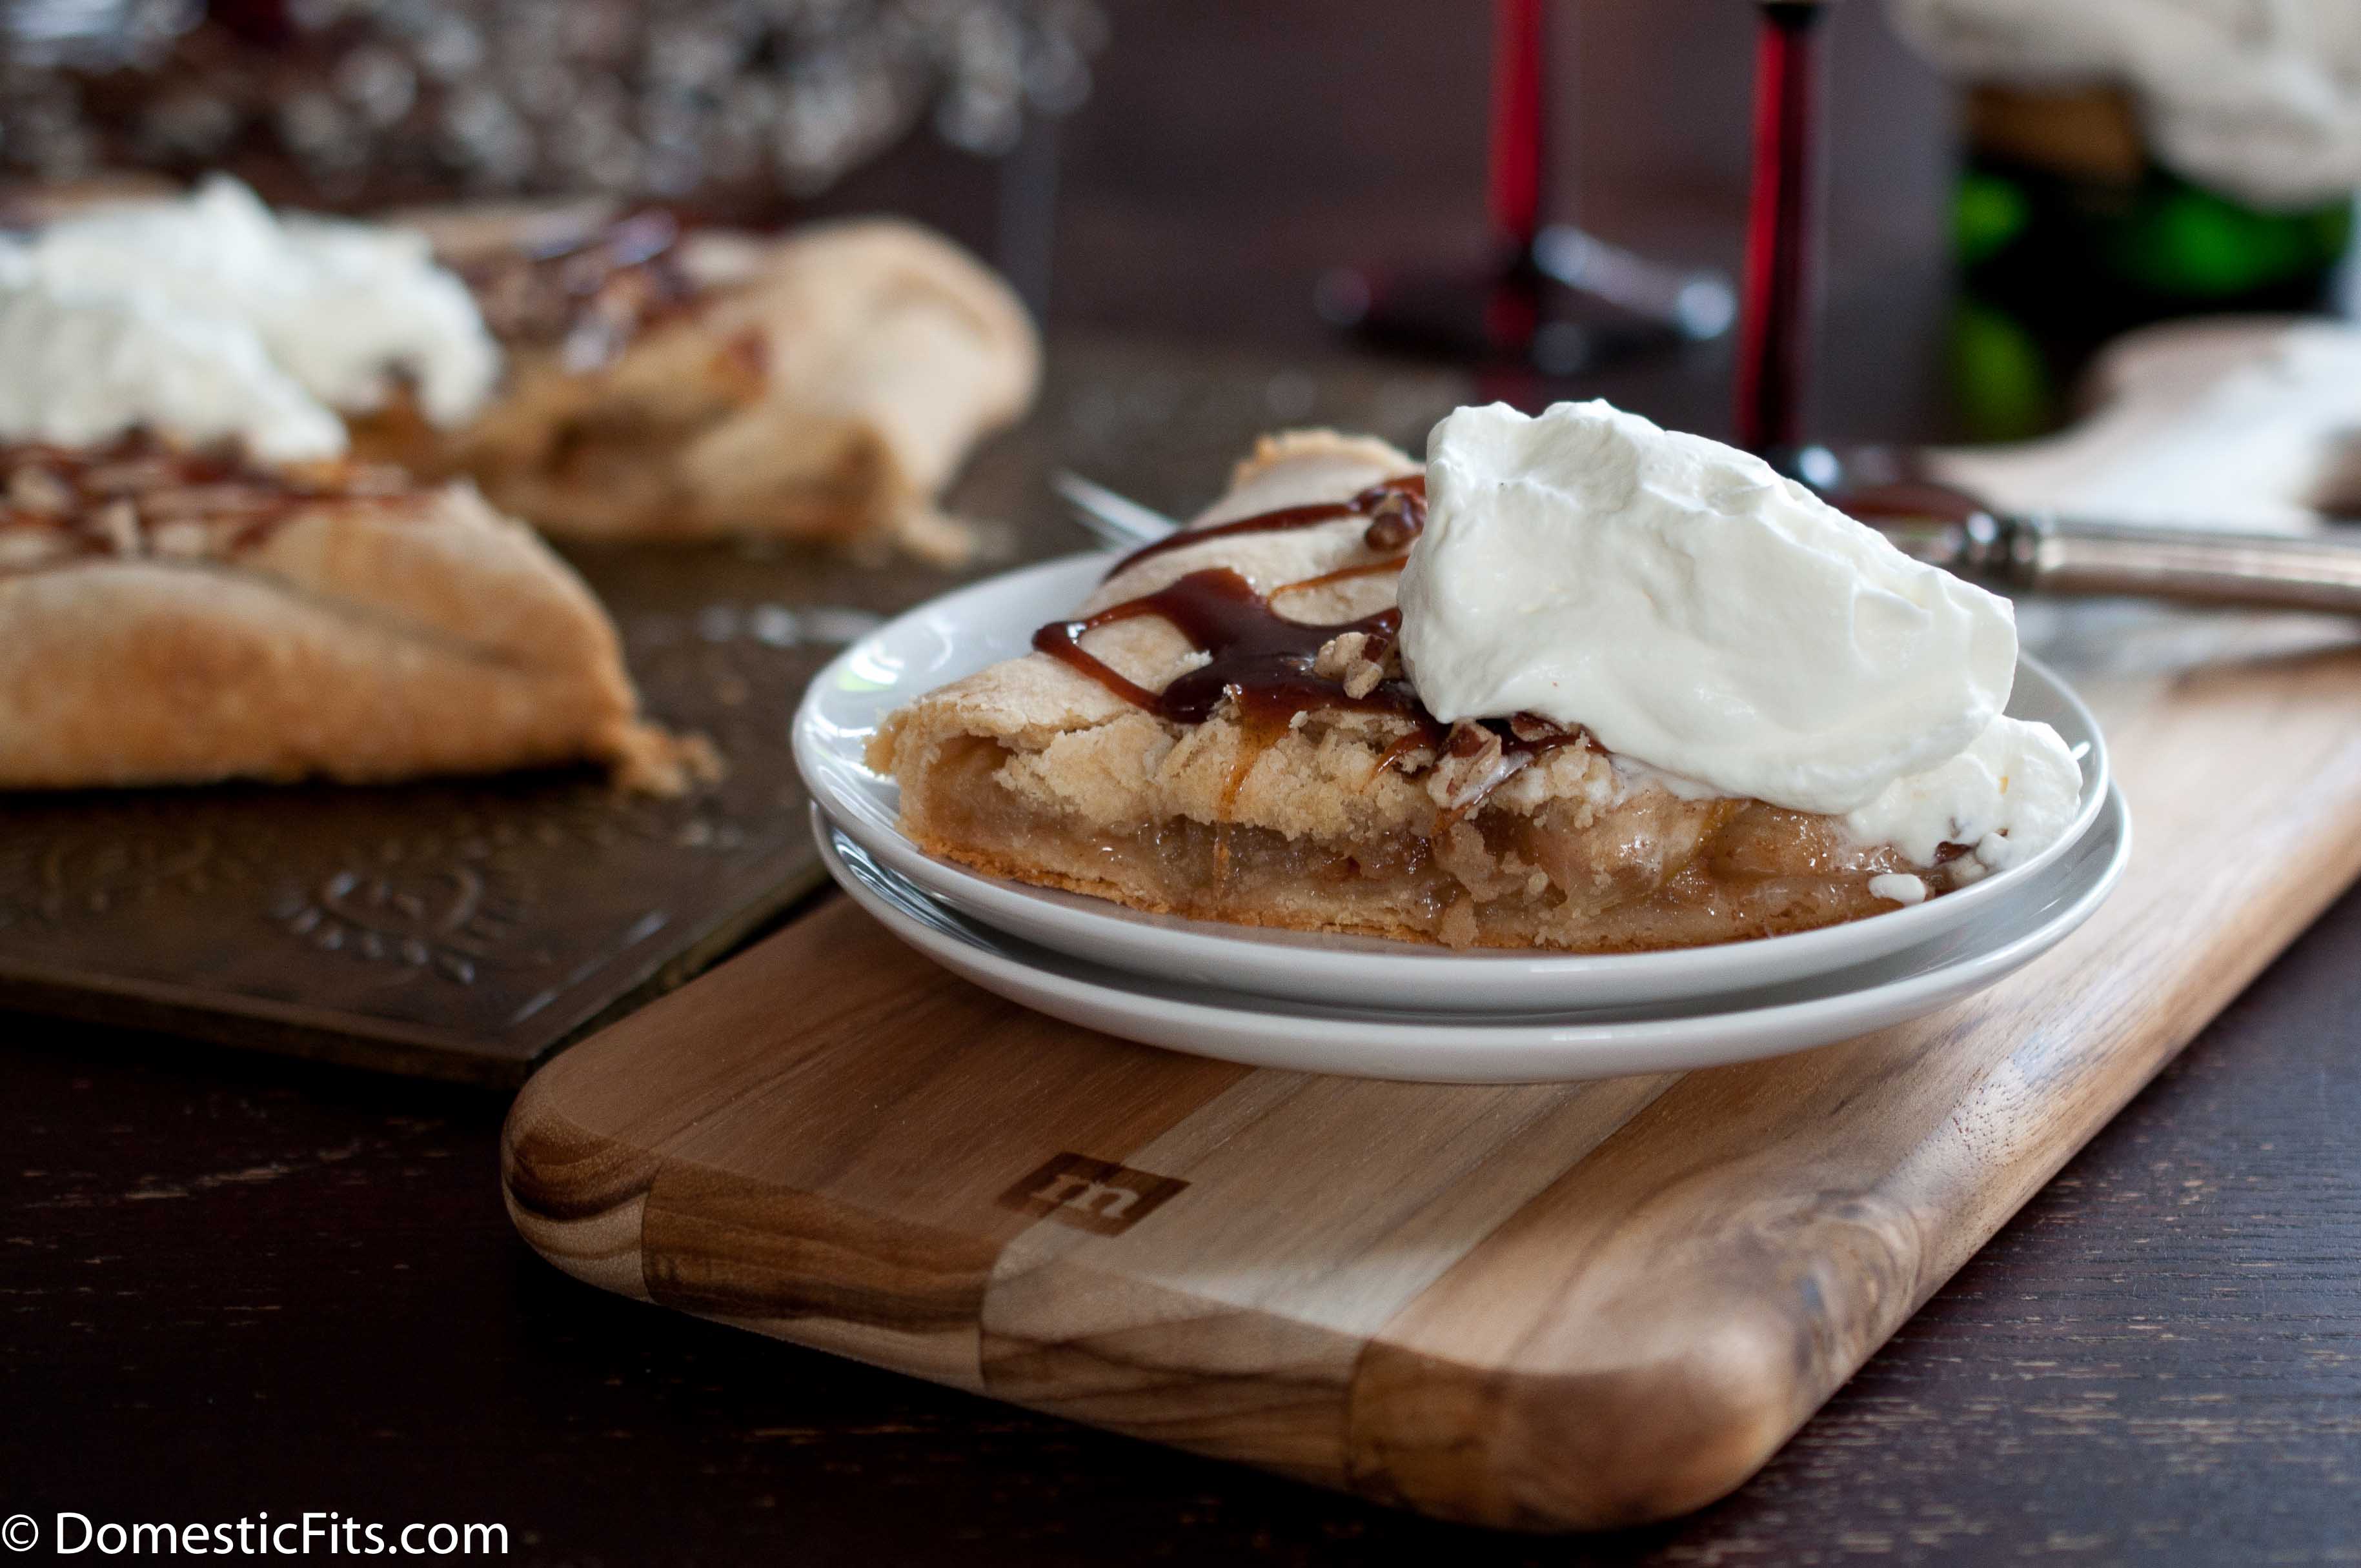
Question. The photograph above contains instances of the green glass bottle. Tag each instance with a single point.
(2068, 233)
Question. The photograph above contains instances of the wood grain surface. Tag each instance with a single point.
(239, 1282)
(1540, 1306)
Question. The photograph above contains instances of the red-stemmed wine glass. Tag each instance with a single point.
(1551, 296)
(1782, 242)
(1782, 266)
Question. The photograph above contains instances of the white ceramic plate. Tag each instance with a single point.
(1505, 1048)
(962, 633)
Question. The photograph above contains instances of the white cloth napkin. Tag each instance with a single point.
(2232, 422)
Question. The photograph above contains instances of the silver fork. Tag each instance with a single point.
(1115, 521)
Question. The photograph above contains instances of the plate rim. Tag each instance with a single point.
(1600, 1050)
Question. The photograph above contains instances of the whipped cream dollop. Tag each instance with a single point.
(76, 369)
(115, 314)
(1708, 620)
(2011, 793)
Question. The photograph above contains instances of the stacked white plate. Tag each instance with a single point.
(1381, 1009)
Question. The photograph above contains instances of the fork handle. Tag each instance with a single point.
(2047, 554)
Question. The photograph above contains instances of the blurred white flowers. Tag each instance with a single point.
(629, 97)
(2259, 99)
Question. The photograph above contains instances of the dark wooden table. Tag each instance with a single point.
(237, 1283)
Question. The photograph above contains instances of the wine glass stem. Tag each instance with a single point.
(1776, 330)
(1518, 128)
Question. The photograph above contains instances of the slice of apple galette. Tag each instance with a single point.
(1582, 684)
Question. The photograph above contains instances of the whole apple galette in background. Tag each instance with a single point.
(171, 616)
(196, 583)
(671, 384)
(616, 379)
(1582, 684)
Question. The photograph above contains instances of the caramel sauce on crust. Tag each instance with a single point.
(1260, 658)
(1396, 509)
(1263, 663)
(1388, 568)
(140, 496)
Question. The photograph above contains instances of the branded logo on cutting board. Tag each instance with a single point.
(1094, 1195)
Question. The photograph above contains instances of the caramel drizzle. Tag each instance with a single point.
(162, 484)
(1396, 509)
(1261, 663)
(1391, 568)
(1261, 660)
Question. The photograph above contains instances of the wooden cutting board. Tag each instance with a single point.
(1541, 1306)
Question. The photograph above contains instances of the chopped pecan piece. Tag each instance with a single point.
(1357, 660)
(117, 526)
(1336, 654)
(1474, 763)
(1534, 728)
(1394, 522)
(34, 489)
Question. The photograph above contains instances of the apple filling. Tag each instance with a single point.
(1640, 870)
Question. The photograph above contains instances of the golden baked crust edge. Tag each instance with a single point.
(364, 642)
